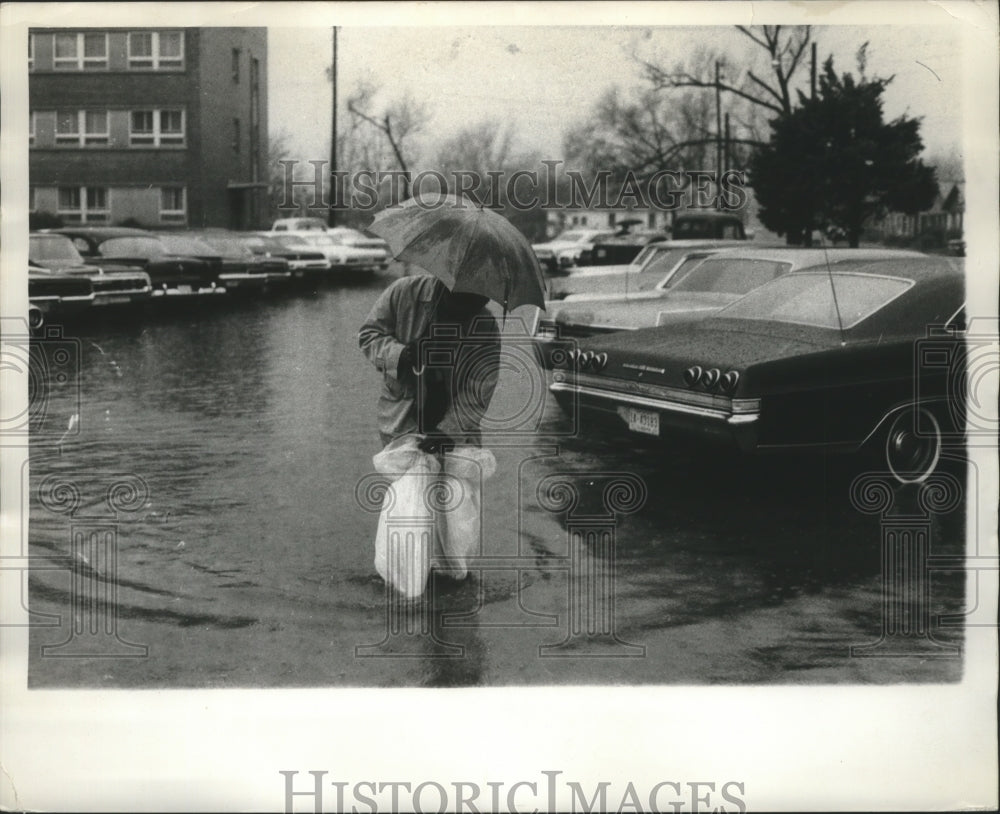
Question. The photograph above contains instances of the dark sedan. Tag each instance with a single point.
(236, 254)
(171, 274)
(303, 261)
(112, 285)
(55, 295)
(622, 248)
(820, 359)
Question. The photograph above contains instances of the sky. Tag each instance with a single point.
(543, 79)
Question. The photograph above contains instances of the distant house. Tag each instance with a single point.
(558, 220)
(945, 217)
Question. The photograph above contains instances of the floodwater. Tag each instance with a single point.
(238, 553)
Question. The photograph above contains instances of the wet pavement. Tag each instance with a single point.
(218, 454)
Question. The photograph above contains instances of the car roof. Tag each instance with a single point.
(804, 258)
(103, 232)
(919, 268)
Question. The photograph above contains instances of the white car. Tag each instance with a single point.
(339, 256)
(299, 225)
(359, 240)
(567, 249)
(642, 274)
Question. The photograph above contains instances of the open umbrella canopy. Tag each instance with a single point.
(467, 247)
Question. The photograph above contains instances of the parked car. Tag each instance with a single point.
(644, 273)
(303, 260)
(570, 248)
(53, 295)
(622, 247)
(339, 256)
(273, 271)
(171, 275)
(359, 240)
(112, 285)
(707, 225)
(820, 360)
(232, 273)
(299, 225)
(956, 246)
(700, 284)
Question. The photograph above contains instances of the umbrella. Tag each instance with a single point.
(468, 248)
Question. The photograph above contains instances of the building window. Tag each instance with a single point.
(236, 135)
(173, 208)
(84, 204)
(80, 52)
(82, 128)
(236, 65)
(156, 128)
(156, 50)
(31, 52)
(31, 129)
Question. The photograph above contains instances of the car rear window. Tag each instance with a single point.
(683, 268)
(730, 275)
(808, 299)
(53, 247)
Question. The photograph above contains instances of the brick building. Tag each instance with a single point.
(163, 127)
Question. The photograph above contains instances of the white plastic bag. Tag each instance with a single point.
(459, 526)
(407, 526)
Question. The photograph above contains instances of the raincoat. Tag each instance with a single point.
(404, 313)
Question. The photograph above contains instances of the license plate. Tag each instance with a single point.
(184, 289)
(644, 421)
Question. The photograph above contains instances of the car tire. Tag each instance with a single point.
(911, 444)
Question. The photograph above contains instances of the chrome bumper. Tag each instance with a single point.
(730, 420)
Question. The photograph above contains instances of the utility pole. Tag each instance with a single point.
(332, 211)
(718, 134)
(812, 73)
(726, 145)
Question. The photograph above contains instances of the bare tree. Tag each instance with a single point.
(644, 131)
(398, 122)
(480, 148)
(785, 50)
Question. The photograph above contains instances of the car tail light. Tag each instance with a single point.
(559, 358)
(710, 377)
(729, 381)
(692, 376)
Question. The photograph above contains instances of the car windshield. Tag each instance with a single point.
(573, 237)
(730, 275)
(807, 298)
(228, 245)
(294, 241)
(184, 244)
(133, 247)
(53, 247)
(261, 245)
(303, 224)
(322, 239)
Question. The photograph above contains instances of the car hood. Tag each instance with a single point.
(65, 267)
